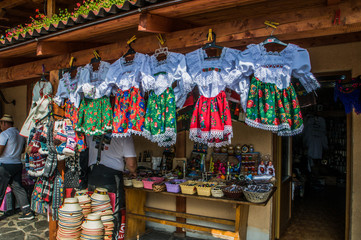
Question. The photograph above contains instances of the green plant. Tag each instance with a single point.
(40, 20)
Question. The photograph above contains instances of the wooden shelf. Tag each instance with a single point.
(223, 199)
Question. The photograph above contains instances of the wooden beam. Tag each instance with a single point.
(12, 3)
(333, 2)
(51, 48)
(159, 24)
(154, 23)
(302, 24)
(50, 8)
(214, 231)
(191, 216)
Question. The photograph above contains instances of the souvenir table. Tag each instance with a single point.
(136, 218)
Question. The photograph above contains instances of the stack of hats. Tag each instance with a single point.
(92, 228)
(100, 202)
(70, 220)
(108, 226)
(84, 201)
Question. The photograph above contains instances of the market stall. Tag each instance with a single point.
(143, 94)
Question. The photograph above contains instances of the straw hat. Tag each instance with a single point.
(7, 118)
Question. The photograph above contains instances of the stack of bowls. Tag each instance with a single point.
(84, 201)
(70, 220)
(100, 202)
(92, 228)
(108, 226)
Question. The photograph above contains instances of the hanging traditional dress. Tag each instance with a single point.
(39, 107)
(160, 120)
(129, 109)
(211, 122)
(95, 111)
(272, 101)
(67, 97)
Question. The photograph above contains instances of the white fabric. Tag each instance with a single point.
(278, 67)
(14, 143)
(90, 80)
(211, 83)
(38, 111)
(315, 138)
(163, 73)
(41, 88)
(67, 88)
(124, 75)
(113, 153)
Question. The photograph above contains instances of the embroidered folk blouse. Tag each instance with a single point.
(67, 89)
(278, 67)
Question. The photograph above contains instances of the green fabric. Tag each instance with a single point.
(95, 116)
(160, 119)
(274, 109)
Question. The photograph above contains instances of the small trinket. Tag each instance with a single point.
(261, 168)
(251, 148)
(270, 169)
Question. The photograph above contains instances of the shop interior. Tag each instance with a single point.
(319, 166)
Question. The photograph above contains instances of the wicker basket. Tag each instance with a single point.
(137, 183)
(233, 191)
(159, 187)
(189, 187)
(256, 197)
(217, 192)
(204, 189)
(128, 182)
(173, 185)
(148, 182)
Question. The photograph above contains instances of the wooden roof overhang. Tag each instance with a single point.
(184, 24)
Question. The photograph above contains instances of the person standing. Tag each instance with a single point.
(108, 157)
(11, 147)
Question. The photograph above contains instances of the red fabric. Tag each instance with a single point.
(211, 121)
(122, 227)
(72, 112)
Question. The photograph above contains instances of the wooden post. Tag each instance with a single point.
(135, 201)
(241, 221)
(50, 8)
(53, 225)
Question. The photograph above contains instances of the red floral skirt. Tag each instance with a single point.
(72, 112)
(211, 122)
(129, 112)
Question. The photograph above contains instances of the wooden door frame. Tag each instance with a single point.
(276, 152)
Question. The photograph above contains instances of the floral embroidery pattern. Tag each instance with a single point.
(160, 119)
(274, 109)
(72, 112)
(129, 112)
(95, 116)
(211, 121)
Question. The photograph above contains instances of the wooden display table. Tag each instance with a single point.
(136, 209)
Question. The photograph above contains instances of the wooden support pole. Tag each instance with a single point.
(50, 8)
(135, 201)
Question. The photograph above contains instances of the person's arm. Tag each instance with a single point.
(131, 163)
(2, 147)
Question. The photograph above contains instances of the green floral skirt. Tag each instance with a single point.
(160, 124)
(273, 109)
(95, 116)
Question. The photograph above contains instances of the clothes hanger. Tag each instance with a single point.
(271, 38)
(130, 51)
(162, 52)
(211, 36)
(96, 57)
(43, 78)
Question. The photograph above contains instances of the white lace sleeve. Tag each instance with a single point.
(301, 68)
(62, 92)
(193, 65)
(84, 77)
(184, 81)
(147, 79)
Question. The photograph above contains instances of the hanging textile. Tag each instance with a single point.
(349, 94)
(272, 102)
(211, 120)
(124, 79)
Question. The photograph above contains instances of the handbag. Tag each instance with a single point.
(72, 174)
